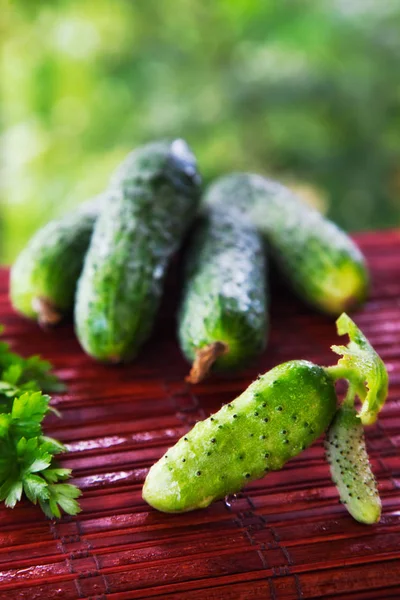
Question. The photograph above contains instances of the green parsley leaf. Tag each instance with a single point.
(33, 372)
(11, 492)
(38, 370)
(35, 488)
(27, 463)
(56, 474)
(51, 445)
(5, 422)
(30, 407)
(62, 495)
(12, 374)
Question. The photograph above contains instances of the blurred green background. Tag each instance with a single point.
(305, 91)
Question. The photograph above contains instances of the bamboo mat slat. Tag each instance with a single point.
(285, 537)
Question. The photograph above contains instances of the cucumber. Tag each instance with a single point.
(278, 416)
(319, 260)
(154, 198)
(44, 276)
(350, 467)
(223, 316)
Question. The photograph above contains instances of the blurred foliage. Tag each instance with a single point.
(305, 91)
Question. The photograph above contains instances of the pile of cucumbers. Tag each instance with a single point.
(107, 261)
(107, 264)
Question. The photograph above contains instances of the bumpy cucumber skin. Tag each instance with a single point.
(155, 196)
(319, 260)
(225, 297)
(49, 266)
(278, 416)
(350, 467)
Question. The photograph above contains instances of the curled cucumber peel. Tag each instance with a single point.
(346, 450)
(350, 467)
(364, 370)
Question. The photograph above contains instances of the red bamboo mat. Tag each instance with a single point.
(285, 537)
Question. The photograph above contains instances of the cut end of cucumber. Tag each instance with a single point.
(346, 290)
(48, 315)
(205, 358)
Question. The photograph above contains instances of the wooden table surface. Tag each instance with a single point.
(284, 537)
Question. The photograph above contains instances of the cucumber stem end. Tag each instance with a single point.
(47, 314)
(205, 358)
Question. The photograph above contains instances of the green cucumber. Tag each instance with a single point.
(44, 275)
(223, 316)
(278, 416)
(350, 467)
(154, 198)
(319, 260)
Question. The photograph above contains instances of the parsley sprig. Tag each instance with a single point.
(28, 462)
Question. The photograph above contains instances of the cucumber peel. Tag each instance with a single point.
(363, 368)
(350, 467)
(346, 451)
